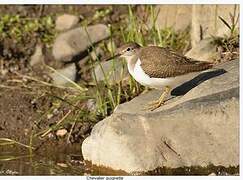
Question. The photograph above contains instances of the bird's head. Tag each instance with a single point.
(127, 51)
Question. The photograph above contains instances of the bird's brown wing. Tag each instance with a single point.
(160, 62)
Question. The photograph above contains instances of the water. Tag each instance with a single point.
(24, 164)
(51, 162)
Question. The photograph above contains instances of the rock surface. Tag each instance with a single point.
(38, 56)
(205, 50)
(115, 71)
(203, 19)
(176, 16)
(66, 21)
(206, 22)
(75, 41)
(70, 72)
(199, 128)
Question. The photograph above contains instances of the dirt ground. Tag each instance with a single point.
(24, 105)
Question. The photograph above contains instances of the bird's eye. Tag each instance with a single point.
(128, 49)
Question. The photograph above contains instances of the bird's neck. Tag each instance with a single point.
(131, 61)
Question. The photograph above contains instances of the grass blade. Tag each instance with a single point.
(225, 22)
(8, 141)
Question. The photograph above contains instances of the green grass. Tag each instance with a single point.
(229, 44)
(7, 141)
(18, 28)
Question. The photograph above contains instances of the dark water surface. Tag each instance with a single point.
(15, 162)
(49, 162)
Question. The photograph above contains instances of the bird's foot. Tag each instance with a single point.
(145, 90)
(153, 102)
(154, 105)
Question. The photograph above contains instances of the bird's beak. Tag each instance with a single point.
(112, 57)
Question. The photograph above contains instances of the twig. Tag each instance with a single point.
(41, 10)
(69, 80)
(14, 142)
(8, 87)
(71, 130)
(171, 148)
(43, 82)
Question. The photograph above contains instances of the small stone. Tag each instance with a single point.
(75, 41)
(38, 56)
(86, 174)
(115, 71)
(26, 131)
(13, 68)
(4, 72)
(61, 132)
(55, 111)
(222, 173)
(49, 116)
(34, 101)
(50, 136)
(66, 21)
(68, 72)
(62, 165)
(212, 174)
(91, 104)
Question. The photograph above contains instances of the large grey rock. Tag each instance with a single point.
(114, 70)
(205, 50)
(176, 16)
(73, 42)
(203, 19)
(66, 21)
(199, 128)
(206, 22)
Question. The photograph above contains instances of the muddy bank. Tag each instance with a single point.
(26, 107)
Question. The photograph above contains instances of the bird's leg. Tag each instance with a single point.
(155, 104)
(145, 90)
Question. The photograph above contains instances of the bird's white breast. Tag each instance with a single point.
(140, 76)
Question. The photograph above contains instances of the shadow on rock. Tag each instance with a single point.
(187, 86)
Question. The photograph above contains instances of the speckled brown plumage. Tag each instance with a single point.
(158, 62)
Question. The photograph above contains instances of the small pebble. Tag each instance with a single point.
(4, 72)
(50, 135)
(62, 165)
(87, 174)
(61, 132)
(49, 116)
(55, 111)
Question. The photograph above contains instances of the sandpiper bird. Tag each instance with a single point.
(159, 68)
